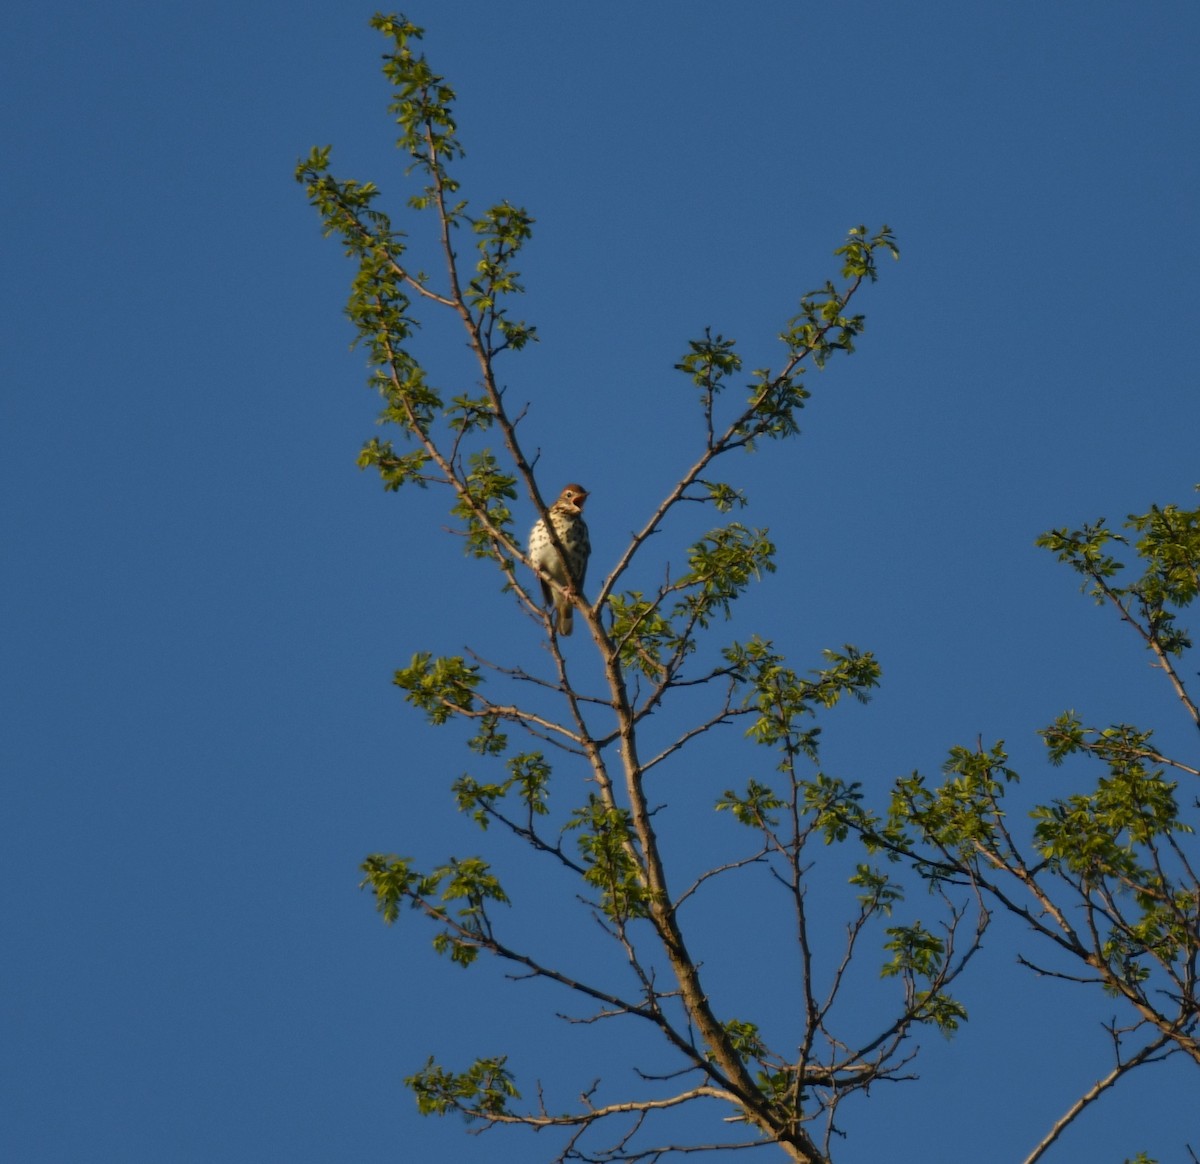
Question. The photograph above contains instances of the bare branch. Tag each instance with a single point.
(1147, 1054)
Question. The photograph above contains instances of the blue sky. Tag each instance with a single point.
(204, 600)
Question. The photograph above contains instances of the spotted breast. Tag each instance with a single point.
(567, 515)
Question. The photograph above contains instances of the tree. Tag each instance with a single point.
(565, 761)
(1107, 878)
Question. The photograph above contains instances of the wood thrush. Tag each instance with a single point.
(567, 515)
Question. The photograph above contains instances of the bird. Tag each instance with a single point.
(567, 515)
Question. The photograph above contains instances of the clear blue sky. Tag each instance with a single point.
(204, 600)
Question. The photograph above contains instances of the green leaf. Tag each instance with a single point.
(483, 1089)
(755, 809)
(439, 687)
(722, 565)
(607, 845)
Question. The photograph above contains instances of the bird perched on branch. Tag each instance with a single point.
(567, 516)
